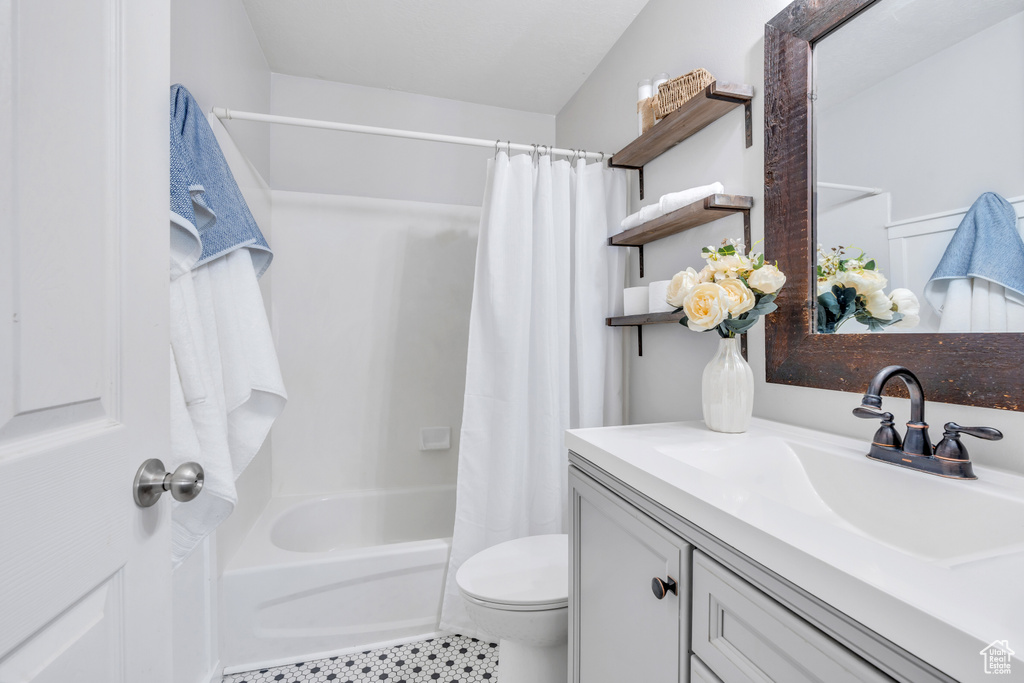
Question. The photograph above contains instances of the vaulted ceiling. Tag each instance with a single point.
(530, 55)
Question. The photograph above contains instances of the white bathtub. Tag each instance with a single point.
(323, 574)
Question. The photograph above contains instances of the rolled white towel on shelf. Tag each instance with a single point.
(657, 293)
(674, 201)
(669, 203)
(644, 215)
(634, 301)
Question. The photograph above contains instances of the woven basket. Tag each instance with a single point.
(676, 92)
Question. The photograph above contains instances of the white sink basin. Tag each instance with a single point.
(939, 519)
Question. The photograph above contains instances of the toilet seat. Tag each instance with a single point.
(527, 574)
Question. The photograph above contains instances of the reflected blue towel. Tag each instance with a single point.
(986, 245)
(205, 200)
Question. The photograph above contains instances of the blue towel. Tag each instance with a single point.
(986, 245)
(205, 200)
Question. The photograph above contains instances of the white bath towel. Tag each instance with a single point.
(226, 387)
(669, 203)
(677, 200)
(978, 305)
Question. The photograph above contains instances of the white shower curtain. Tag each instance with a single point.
(541, 359)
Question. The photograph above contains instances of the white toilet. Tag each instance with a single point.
(518, 591)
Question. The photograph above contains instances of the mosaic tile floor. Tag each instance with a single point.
(450, 659)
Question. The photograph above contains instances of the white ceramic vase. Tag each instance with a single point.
(728, 389)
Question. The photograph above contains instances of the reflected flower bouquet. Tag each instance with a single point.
(855, 288)
(729, 294)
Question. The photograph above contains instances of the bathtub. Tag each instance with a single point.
(325, 574)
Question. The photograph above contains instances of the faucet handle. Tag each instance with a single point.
(886, 435)
(950, 448)
(868, 412)
(987, 433)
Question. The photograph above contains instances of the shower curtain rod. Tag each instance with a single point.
(227, 114)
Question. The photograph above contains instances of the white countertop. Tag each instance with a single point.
(942, 610)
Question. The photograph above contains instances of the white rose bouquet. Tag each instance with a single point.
(855, 288)
(729, 294)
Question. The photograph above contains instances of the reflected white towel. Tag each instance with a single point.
(669, 203)
(226, 387)
(977, 305)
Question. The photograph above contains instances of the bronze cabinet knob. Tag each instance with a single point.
(662, 587)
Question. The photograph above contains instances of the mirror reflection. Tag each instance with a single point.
(919, 164)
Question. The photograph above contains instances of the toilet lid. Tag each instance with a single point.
(527, 571)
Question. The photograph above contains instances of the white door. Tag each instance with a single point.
(84, 573)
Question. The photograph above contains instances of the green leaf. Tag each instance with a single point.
(705, 250)
(740, 326)
(842, 266)
(759, 263)
(870, 265)
(829, 302)
(726, 250)
(821, 273)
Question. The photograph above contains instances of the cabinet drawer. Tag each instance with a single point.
(743, 635)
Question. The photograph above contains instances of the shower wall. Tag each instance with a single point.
(375, 243)
(371, 300)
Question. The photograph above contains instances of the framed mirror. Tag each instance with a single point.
(885, 120)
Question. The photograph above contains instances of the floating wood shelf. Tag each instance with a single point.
(716, 101)
(643, 319)
(703, 109)
(690, 216)
(702, 211)
(638, 321)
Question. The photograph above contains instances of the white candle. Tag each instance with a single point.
(644, 90)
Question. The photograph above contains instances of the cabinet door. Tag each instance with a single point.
(620, 631)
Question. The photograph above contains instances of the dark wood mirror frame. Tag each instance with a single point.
(968, 369)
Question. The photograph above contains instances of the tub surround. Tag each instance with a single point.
(939, 585)
(321, 574)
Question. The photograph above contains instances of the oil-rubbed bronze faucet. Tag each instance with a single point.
(947, 459)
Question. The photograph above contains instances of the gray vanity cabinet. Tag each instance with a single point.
(620, 629)
(716, 628)
(743, 635)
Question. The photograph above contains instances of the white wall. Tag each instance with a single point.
(727, 38)
(938, 134)
(371, 301)
(330, 162)
(215, 54)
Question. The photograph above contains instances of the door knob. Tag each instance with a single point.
(153, 479)
(662, 587)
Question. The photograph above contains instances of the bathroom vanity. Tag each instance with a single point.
(784, 554)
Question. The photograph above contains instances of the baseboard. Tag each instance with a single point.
(253, 666)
